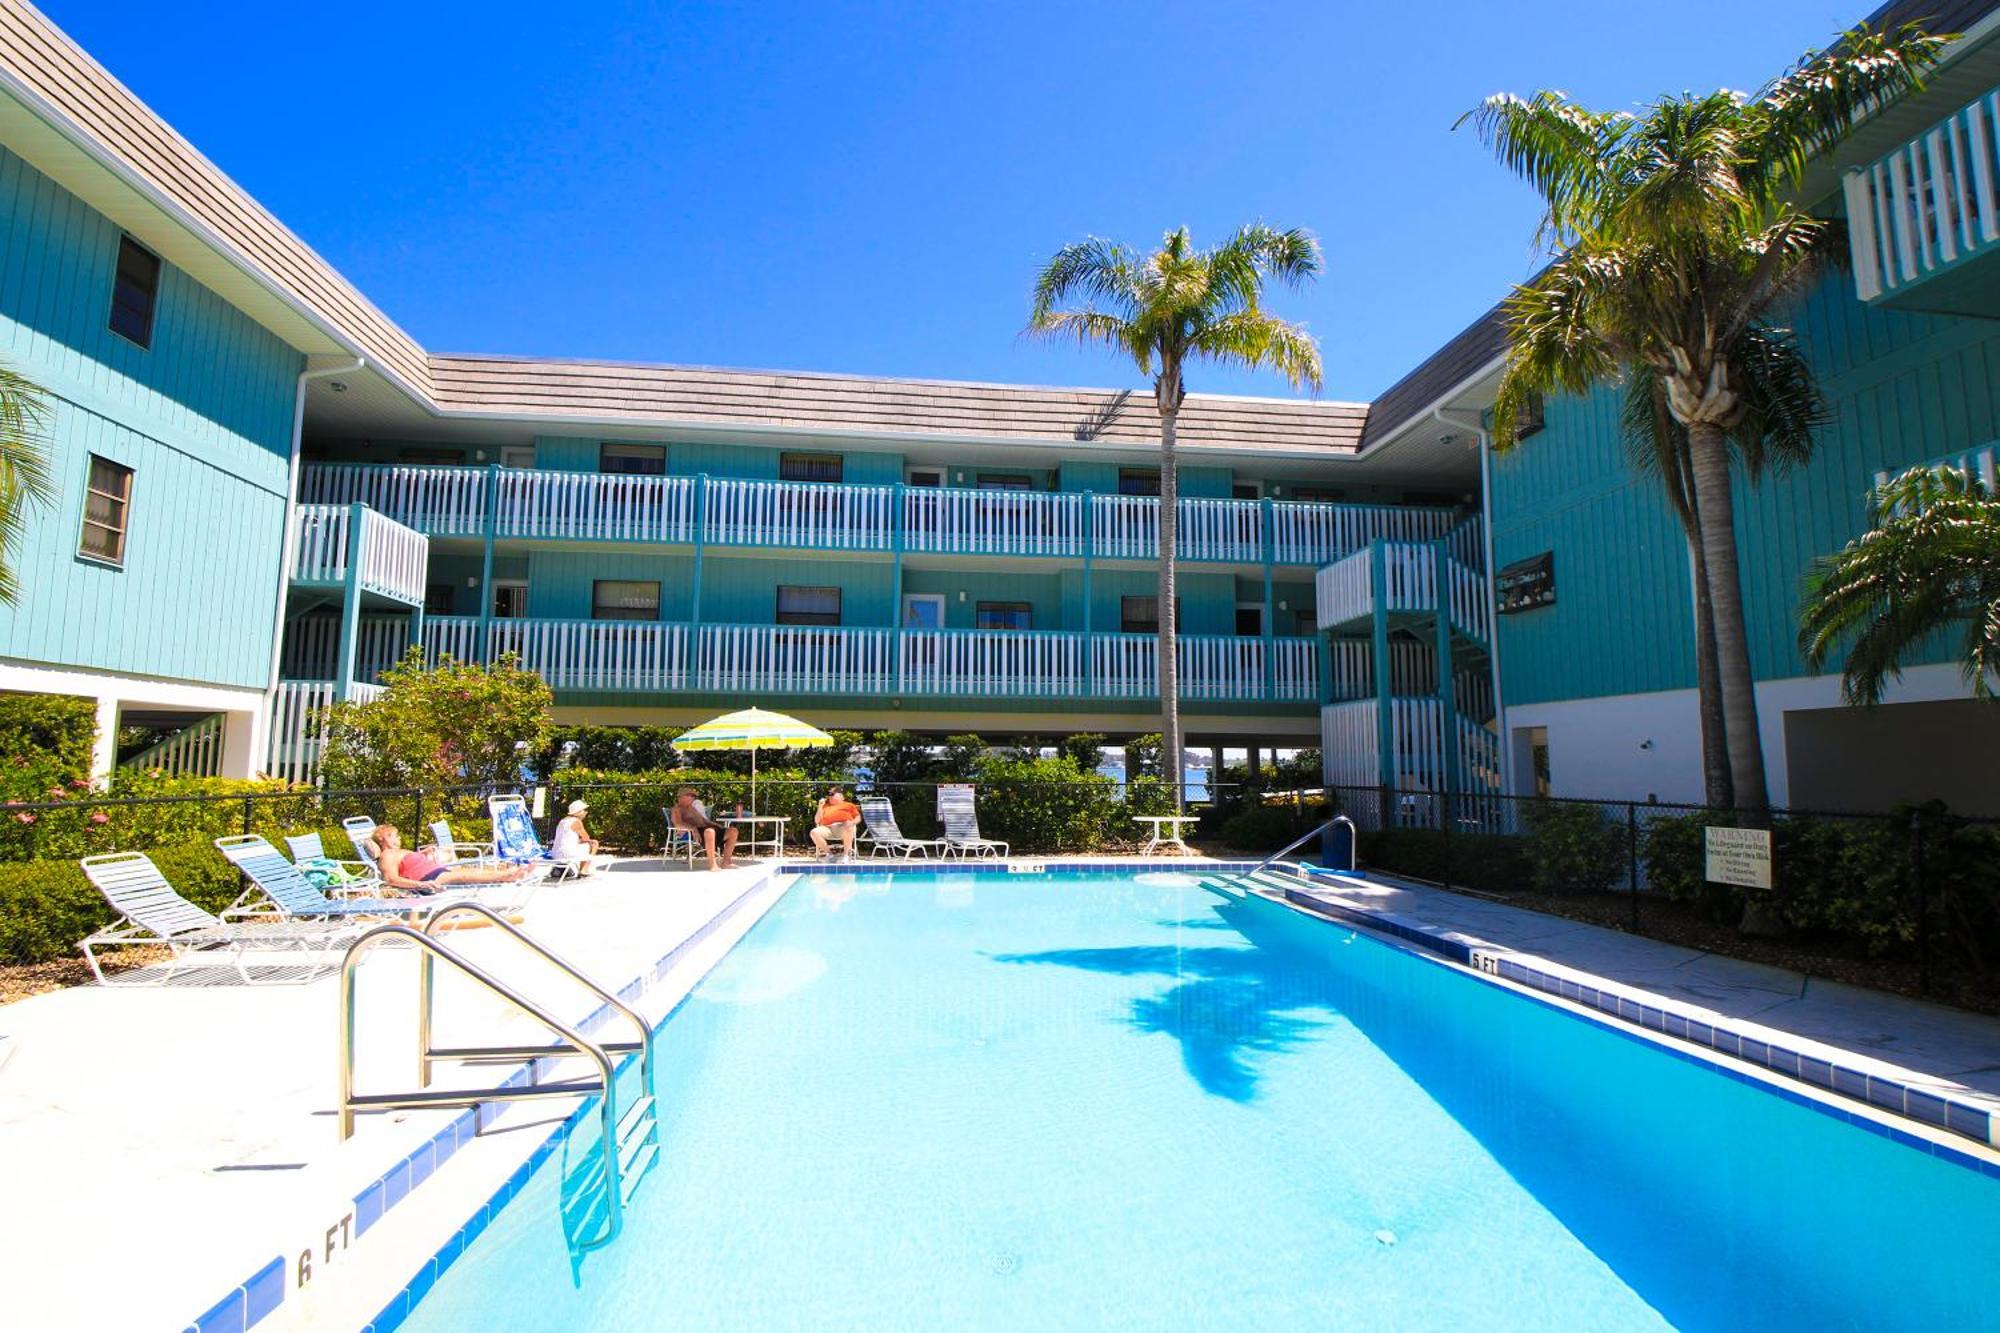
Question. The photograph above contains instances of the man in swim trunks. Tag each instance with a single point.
(687, 814)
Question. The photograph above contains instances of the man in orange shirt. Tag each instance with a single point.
(836, 817)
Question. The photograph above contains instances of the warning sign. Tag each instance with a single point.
(1740, 856)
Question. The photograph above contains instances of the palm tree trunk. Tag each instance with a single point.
(1717, 788)
(1171, 759)
(1715, 512)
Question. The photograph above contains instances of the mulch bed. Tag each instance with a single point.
(20, 980)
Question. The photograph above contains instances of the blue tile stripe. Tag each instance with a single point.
(245, 1305)
(1023, 869)
(1926, 1105)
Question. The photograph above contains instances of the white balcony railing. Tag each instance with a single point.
(653, 657)
(1344, 592)
(797, 659)
(800, 514)
(391, 560)
(1928, 204)
(530, 504)
(974, 522)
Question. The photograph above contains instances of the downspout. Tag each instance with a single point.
(1461, 419)
(287, 558)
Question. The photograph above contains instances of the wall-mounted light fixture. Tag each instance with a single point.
(961, 594)
(1646, 744)
(471, 581)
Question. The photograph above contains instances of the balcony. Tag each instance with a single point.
(631, 657)
(1405, 580)
(334, 543)
(532, 504)
(1924, 219)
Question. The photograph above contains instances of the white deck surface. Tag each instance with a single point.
(160, 1145)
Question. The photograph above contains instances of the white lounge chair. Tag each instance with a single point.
(515, 840)
(885, 839)
(451, 851)
(152, 915)
(308, 853)
(501, 895)
(961, 825)
(279, 890)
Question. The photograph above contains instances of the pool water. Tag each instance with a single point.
(1097, 1101)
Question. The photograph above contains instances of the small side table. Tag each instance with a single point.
(754, 840)
(1170, 838)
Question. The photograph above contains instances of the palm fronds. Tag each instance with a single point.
(1930, 562)
(25, 480)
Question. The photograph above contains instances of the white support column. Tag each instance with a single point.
(104, 751)
(245, 743)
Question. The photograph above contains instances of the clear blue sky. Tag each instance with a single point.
(870, 188)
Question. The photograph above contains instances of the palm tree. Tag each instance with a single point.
(1929, 563)
(24, 468)
(1784, 407)
(1676, 234)
(1176, 305)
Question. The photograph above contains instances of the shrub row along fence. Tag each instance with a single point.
(1907, 900)
(46, 904)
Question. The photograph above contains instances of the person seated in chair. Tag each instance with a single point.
(688, 815)
(422, 871)
(573, 843)
(837, 817)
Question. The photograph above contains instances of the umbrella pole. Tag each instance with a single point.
(753, 780)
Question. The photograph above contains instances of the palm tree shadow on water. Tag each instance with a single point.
(1230, 1007)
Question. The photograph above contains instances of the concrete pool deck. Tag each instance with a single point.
(1946, 1048)
(161, 1145)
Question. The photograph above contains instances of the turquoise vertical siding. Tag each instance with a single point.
(744, 591)
(1043, 593)
(203, 416)
(1904, 388)
(1102, 477)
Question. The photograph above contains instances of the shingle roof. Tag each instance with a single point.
(597, 390)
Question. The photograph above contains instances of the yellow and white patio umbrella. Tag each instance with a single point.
(752, 729)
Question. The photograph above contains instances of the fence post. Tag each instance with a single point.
(246, 813)
(418, 831)
(1444, 823)
(1923, 903)
(1632, 858)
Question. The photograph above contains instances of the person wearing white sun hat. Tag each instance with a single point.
(573, 842)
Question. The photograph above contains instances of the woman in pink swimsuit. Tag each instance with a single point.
(415, 872)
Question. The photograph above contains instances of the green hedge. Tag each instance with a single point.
(1498, 863)
(46, 740)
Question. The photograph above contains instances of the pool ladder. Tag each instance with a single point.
(629, 1142)
(1259, 876)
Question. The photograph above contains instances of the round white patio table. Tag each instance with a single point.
(1172, 837)
(754, 841)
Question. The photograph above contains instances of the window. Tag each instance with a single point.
(1141, 615)
(1319, 495)
(438, 599)
(1006, 481)
(927, 477)
(107, 500)
(622, 599)
(510, 601)
(1526, 584)
(1249, 621)
(1002, 615)
(134, 291)
(639, 460)
(808, 606)
(809, 467)
(1530, 419)
(1246, 490)
(1138, 481)
(1305, 623)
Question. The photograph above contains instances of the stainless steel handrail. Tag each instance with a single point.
(1295, 844)
(426, 992)
(579, 1044)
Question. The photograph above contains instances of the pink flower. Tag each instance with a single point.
(25, 817)
(81, 784)
(99, 817)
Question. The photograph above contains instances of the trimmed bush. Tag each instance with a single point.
(46, 740)
(1044, 805)
(1574, 847)
(1496, 863)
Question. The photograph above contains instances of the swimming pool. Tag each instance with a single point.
(1066, 1100)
